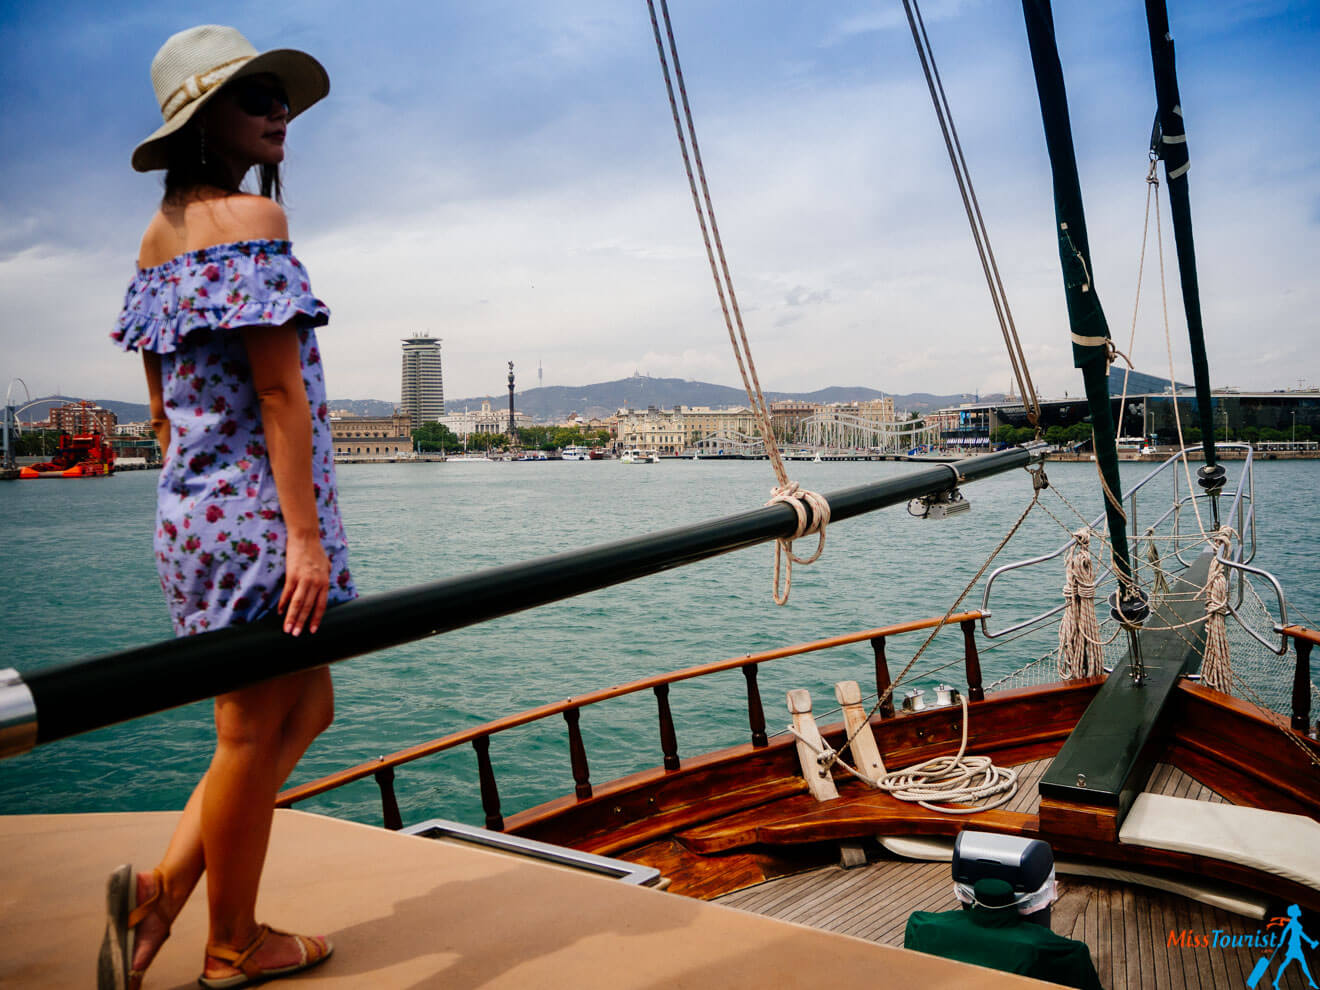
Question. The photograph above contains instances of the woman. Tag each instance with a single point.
(247, 520)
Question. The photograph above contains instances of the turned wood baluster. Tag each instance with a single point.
(882, 681)
(490, 794)
(755, 713)
(389, 804)
(577, 753)
(975, 692)
(1301, 698)
(668, 738)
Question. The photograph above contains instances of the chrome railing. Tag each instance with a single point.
(1241, 511)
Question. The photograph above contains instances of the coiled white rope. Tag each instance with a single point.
(938, 782)
(1081, 651)
(813, 521)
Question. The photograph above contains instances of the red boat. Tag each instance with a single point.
(86, 455)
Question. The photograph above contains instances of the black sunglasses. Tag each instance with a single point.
(256, 98)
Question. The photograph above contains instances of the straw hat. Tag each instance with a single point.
(191, 67)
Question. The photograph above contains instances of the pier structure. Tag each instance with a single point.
(830, 430)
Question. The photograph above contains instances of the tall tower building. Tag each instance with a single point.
(423, 391)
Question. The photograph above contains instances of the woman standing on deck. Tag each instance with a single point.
(247, 519)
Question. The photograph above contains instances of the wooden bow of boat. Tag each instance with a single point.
(724, 820)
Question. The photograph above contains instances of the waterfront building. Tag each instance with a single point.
(1250, 416)
(142, 429)
(423, 385)
(83, 417)
(671, 431)
(484, 420)
(786, 415)
(653, 429)
(372, 437)
(734, 423)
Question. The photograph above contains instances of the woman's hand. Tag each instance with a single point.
(306, 584)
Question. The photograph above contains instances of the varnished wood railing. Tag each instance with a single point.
(1303, 640)
(383, 768)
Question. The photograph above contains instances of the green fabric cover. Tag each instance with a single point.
(1085, 316)
(1002, 940)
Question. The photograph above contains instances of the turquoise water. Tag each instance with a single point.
(79, 581)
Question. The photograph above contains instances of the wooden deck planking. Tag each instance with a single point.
(1126, 928)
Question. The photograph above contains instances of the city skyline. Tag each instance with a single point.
(545, 217)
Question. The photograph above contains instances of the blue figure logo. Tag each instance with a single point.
(1290, 939)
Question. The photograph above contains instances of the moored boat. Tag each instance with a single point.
(78, 456)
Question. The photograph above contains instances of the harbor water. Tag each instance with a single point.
(79, 581)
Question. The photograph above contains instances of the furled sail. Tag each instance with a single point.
(1090, 331)
(1170, 144)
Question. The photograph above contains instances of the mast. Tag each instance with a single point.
(1090, 332)
(1170, 144)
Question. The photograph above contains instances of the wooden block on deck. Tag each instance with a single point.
(810, 746)
(865, 753)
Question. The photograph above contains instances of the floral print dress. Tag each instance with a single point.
(220, 534)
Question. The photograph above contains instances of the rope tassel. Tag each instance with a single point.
(1081, 651)
(1216, 671)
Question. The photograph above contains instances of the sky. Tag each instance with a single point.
(504, 176)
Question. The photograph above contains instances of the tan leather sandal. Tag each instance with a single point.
(315, 950)
(114, 966)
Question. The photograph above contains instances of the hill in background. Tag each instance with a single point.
(554, 403)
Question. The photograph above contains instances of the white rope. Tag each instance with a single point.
(1159, 585)
(1081, 652)
(813, 521)
(786, 491)
(938, 782)
(827, 757)
(1215, 669)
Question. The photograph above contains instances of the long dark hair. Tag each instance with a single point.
(189, 168)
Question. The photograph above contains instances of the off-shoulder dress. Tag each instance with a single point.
(220, 534)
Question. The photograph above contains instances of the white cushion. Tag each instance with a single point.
(1221, 895)
(1273, 842)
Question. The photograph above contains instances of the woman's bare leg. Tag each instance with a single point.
(184, 860)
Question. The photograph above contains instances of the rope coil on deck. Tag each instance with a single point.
(938, 782)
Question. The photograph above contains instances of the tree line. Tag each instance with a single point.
(1065, 436)
(430, 438)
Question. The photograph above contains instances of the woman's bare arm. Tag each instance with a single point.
(160, 424)
(273, 353)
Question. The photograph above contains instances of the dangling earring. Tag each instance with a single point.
(201, 144)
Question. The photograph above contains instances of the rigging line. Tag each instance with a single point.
(811, 508)
(1168, 345)
(980, 234)
(1039, 482)
(710, 230)
(1151, 180)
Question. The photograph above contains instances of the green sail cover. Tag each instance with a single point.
(1090, 331)
(1171, 146)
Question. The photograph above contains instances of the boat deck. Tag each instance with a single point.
(410, 912)
(1126, 927)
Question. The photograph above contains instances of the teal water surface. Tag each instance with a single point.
(79, 581)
